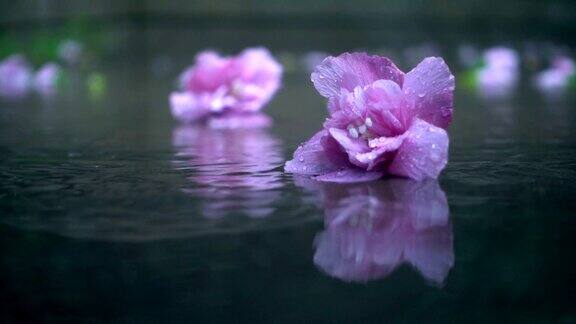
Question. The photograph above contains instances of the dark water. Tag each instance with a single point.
(110, 211)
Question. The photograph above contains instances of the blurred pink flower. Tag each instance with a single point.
(216, 84)
(233, 169)
(15, 75)
(381, 121)
(501, 58)
(555, 80)
(46, 79)
(499, 75)
(373, 228)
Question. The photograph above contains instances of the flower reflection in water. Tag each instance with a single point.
(234, 167)
(373, 228)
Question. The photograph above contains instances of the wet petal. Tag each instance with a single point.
(315, 157)
(423, 153)
(350, 175)
(351, 145)
(350, 70)
(379, 148)
(383, 95)
(387, 143)
(429, 91)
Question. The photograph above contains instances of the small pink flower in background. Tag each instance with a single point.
(233, 168)
(499, 75)
(381, 121)
(501, 58)
(216, 85)
(46, 79)
(373, 228)
(15, 76)
(555, 80)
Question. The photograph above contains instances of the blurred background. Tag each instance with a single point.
(165, 36)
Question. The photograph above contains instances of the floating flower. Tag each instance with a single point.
(233, 169)
(381, 121)
(373, 228)
(555, 80)
(498, 76)
(216, 85)
(46, 79)
(15, 75)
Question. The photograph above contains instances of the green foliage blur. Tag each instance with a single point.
(42, 44)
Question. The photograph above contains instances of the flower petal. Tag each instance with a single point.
(350, 70)
(423, 154)
(186, 107)
(316, 156)
(387, 143)
(379, 147)
(259, 77)
(209, 72)
(429, 91)
(351, 145)
(350, 175)
(383, 95)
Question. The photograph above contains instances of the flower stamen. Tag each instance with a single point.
(368, 122)
(353, 131)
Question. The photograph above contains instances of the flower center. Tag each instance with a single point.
(361, 130)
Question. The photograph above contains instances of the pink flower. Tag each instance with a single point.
(381, 121)
(499, 75)
(501, 58)
(216, 84)
(15, 75)
(373, 228)
(232, 169)
(46, 79)
(555, 80)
